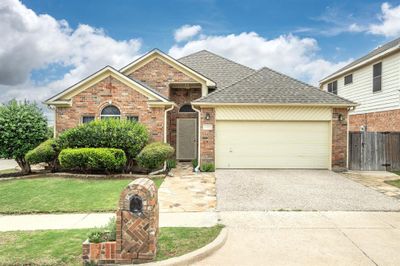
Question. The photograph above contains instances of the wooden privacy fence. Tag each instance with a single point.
(374, 151)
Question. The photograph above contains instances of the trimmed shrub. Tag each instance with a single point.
(93, 159)
(154, 155)
(171, 163)
(128, 136)
(46, 152)
(207, 167)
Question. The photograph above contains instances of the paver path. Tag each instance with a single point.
(186, 191)
(309, 238)
(376, 181)
(321, 190)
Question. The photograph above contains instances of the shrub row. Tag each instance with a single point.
(93, 159)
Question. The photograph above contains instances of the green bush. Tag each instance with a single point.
(171, 163)
(46, 152)
(110, 133)
(93, 159)
(194, 163)
(154, 155)
(22, 127)
(104, 234)
(207, 167)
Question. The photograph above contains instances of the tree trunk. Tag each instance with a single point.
(24, 165)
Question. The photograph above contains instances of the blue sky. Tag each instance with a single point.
(49, 45)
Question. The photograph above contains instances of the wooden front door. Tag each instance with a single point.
(186, 143)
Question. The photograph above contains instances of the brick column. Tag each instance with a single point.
(207, 136)
(339, 139)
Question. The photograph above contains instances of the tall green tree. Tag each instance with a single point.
(22, 127)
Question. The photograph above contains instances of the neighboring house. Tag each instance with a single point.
(373, 81)
(216, 110)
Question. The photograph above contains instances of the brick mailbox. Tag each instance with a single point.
(137, 228)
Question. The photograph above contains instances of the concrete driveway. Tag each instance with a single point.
(322, 190)
(7, 164)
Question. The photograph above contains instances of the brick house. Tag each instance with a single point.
(216, 110)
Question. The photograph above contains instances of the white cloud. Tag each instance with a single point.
(389, 25)
(33, 41)
(289, 54)
(186, 32)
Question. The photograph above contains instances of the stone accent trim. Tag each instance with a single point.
(385, 121)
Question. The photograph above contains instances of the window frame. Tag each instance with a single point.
(128, 117)
(102, 116)
(83, 118)
(377, 77)
(344, 79)
(330, 90)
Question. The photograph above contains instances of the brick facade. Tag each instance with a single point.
(386, 121)
(159, 75)
(180, 96)
(339, 138)
(207, 137)
(130, 102)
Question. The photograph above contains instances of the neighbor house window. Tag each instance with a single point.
(110, 111)
(132, 118)
(348, 79)
(332, 87)
(377, 77)
(186, 108)
(87, 118)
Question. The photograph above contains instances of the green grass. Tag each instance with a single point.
(57, 195)
(395, 183)
(8, 171)
(64, 247)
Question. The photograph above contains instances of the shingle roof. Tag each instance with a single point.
(267, 86)
(380, 49)
(219, 69)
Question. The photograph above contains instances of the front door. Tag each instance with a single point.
(186, 143)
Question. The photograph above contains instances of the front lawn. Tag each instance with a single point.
(8, 171)
(64, 247)
(53, 194)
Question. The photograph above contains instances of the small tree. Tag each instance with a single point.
(22, 127)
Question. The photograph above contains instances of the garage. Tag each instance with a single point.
(254, 144)
(268, 141)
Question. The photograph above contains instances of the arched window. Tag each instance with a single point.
(186, 108)
(110, 111)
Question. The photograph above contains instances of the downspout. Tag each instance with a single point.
(197, 169)
(165, 140)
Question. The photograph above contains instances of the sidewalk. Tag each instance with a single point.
(309, 238)
(91, 220)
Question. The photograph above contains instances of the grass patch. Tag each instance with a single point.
(61, 195)
(8, 171)
(64, 247)
(395, 183)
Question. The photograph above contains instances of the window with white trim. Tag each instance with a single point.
(132, 118)
(332, 87)
(377, 77)
(87, 118)
(110, 111)
(348, 79)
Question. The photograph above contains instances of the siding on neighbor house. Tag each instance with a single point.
(360, 91)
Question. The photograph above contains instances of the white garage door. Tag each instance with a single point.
(260, 144)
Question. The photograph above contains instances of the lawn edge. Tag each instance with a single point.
(196, 255)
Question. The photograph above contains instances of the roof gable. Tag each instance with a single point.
(221, 70)
(267, 86)
(138, 63)
(64, 97)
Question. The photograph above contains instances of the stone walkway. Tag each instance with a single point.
(376, 181)
(186, 191)
(91, 220)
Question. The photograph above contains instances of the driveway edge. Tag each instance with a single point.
(196, 255)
